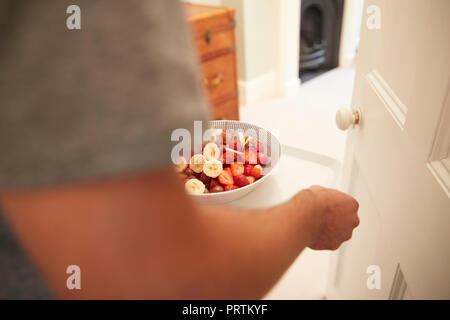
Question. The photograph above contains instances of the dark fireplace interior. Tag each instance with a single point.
(320, 34)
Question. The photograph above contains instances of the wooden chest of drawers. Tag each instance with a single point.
(214, 40)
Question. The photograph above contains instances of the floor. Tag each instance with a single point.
(305, 119)
(309, 75)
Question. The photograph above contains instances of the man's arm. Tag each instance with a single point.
(141, 236)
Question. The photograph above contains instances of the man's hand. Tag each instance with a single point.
(334, 215)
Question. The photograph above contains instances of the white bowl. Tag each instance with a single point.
(271, 144)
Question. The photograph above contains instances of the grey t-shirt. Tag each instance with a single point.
(89, 103)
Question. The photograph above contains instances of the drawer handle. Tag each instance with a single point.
(208, 36)
(215, 81)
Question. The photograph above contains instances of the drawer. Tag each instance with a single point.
(212, 28)
(211, 45)
(219, 77)
(227, 110)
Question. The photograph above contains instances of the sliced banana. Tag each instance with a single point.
(194, 186)
(215, 134)
(211, 151)
(196, 163)
(180, 165)
(212, 168)
(241, 138)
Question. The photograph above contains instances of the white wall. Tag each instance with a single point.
(289, 45)
(351, 28)
(271, 39)
(260, 30)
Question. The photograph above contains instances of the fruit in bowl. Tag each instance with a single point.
(230, 163)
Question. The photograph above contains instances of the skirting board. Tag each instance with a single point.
(264, 87)
(255, 90)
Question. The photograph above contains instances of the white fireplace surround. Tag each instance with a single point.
(268, 39)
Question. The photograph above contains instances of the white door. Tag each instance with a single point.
(397, 159)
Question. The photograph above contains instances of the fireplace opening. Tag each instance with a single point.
(320, 31)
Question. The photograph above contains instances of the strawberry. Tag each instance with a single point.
(250, 179)
(239, 157)
(228, 157)
(248, 169)
(250, 156)
(230, 187)
(237, 168)
(263, 158)
(226, 177)
(239, 146)
(241, 181)
(233, 144)
(197, 175)
(258, 146)
(256, 171)
(236, 144)
(227, 136)
(222, 158)
(230, 143)
(213, 183)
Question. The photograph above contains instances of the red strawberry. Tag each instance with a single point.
(228, 157)
(213, 183)
(232, 144)
(230, 187)
(237, 168)
(239, 157)
(259, 147)
(250, 156)
(236, 144)
(248, 169)
(226, 177)
(222, 158)
(257, 171)
(262, 158)
(241, 181)
(250, 179)
(227, 136)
